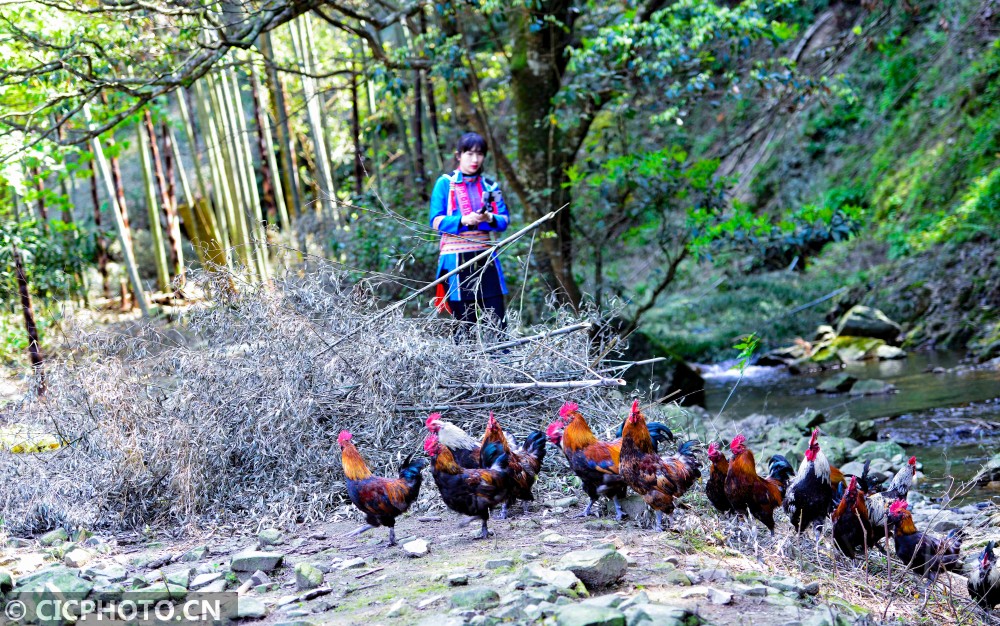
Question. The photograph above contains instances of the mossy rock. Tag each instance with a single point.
(877, 450)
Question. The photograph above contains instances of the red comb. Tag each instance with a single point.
(635, 407)
(712, 448)
(568, 408)
(430, 444)
(897, 507)
(913, 460)
(433, 417)
(344, 437)
(738, 441)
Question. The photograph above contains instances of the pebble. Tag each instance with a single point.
(718, 596)
(416, 548)
(352, 564)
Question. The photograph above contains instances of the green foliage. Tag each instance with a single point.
(747, 347)
(54, 261)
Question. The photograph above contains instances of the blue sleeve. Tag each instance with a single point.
(451, 224)
(501, 216)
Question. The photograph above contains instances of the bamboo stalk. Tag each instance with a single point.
(220, 189)
(120, 216)
(324, 178)
(159, 254)
(255, 214)
(286, 142)
(227, 164)
(267, 148)
(100, 242)
(171, 195)
(370, 92)
(269, 199)
(572, 328)
(356, 133)
(172, 242)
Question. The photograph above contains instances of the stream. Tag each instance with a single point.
(945, 412)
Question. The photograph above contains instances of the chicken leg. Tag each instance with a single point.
(618, 509)
(484, 534)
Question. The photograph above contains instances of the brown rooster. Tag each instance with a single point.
(659, 481)
(594, 462)
(922, 552)
(715, 488)
(525, 462)
(382, 500)
(852, 529)
(747, 491)
(470, 492)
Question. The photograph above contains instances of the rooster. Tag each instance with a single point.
(463, 446)
(879, 503)
(984, 579)
(471, 492)
(382, 500)
(852, 530)
(747, 491)
(715, 488)
(525, 462)
(659, 481)
(594, 462)
(923, 553)
(809, 497)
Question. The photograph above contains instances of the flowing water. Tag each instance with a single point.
(945, 412)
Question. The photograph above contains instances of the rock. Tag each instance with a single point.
(695, 592)
(551, 537)
(877, 450)
(612, 600)
(715, 575)
(753, 591)
(307, 576)
(397, 608)
(52, 578)
(871, 387)
(217, 586)
(475, 598)
(848, 428)
(54, 537)
(113, 572)
(259, 578)
(180, 578)
(426, 602)
(946, 520)
(677, 577)
(203, 580)
(498, 563)
(863, 321)
(113, 592)
(838, 383)
(416, 548)
(811, 589)
(718, 596)
(596, 568)
(155, 593)
(270, 537)
(786, 583)
(195, 554)
(854, 468)
(633, 506)
(6, 582)
(458, 579)
(656, 615)
(248, 607)
(826, 617)
(584, 615)
(253, 560)
(563, 503)
(889, 353)
(352, 564)
(639, 598)
(562, 580)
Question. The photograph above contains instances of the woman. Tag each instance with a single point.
(466, 207)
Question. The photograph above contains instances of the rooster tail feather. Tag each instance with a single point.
(535, 444)
(659, 432)
(490, 454)
(780, 469)
(688, 448)
(411, 469)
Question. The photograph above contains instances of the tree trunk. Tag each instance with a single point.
(172, 242)
(538, 60)
(43, 212)
(171, 196)
(34, 347)
(286, 142)
(428, 86)
(418, 136)
(121, 222)
(359, 173)
(159, 254)
(100, 242)
(269, 203)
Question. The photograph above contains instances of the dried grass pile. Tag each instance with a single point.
(233, 413)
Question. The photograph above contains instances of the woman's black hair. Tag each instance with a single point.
(472, 141)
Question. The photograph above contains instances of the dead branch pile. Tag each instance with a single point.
(233, 413)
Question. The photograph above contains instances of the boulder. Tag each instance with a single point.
(656, 615)
(889, 353)
(871, 387)
(476, 599)
(307, 576)
(6, 582)
(563, 580)
(864, 321)
(838, 383)
(270, 537)
(596, 568)
(837, 449)
(877, 450)
(253, 560)
(589, 615)
(250, 608)
(54, 537)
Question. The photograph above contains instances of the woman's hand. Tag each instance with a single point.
(475, 219)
